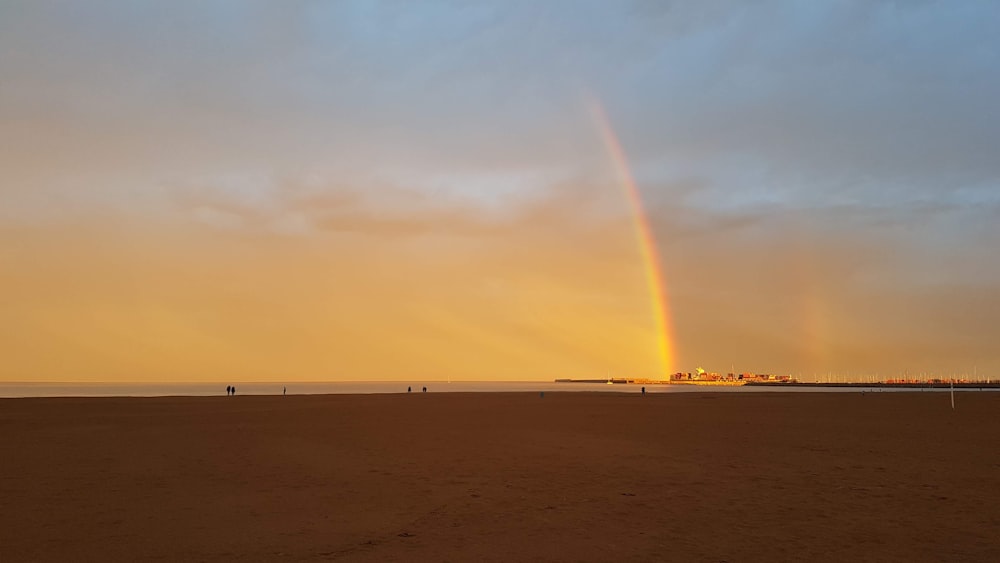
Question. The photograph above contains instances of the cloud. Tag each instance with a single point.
(868, 102)
(426, 186)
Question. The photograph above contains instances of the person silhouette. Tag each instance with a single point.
(643, 391)
(228, 390)
(409, 389)
(284, 390)
(425, 389)
(234, 390)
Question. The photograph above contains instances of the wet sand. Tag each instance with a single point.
(503, 476)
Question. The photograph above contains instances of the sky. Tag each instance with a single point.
(389, 190)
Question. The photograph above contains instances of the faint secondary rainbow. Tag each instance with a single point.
(655, 279)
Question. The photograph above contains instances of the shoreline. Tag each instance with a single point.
(685, 390)
(532, 389)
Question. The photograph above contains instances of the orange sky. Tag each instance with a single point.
(540, 296)
(548, 290)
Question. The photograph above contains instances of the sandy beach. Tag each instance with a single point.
(503, 477)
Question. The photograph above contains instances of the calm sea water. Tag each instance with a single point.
(23, 389)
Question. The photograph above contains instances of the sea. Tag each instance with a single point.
(33, 389)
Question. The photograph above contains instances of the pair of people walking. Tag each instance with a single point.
(230, 389)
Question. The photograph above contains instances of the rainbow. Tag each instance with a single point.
(655, 279)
